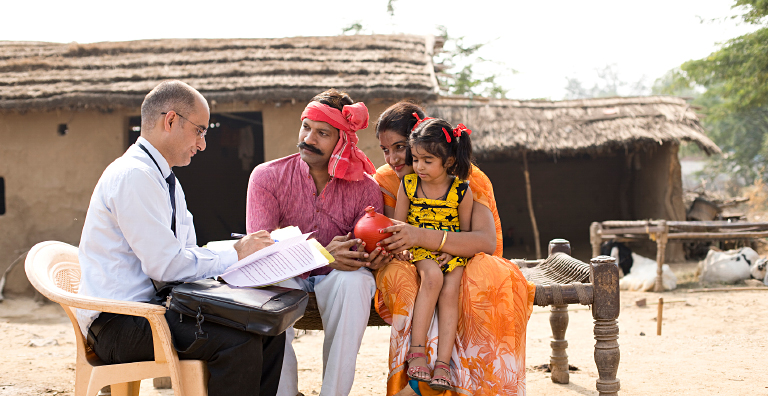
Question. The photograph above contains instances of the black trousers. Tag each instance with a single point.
(240, 363)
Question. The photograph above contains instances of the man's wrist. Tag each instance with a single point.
(227, 256)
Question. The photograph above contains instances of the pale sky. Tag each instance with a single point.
(545, 41)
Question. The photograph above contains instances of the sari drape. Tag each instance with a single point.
(488, 357)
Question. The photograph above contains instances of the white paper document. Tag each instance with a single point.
(292, 256)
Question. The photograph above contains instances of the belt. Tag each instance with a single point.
(97, 325)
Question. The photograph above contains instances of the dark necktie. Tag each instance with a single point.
(171, 180)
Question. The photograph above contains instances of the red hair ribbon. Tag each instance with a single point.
(419, 120)
(459, 129)
(456, 131)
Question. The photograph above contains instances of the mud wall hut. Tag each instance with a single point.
(589, 160)
(68, 110)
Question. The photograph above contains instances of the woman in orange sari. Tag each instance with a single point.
(488, 357)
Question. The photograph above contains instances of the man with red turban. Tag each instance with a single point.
(324, 189)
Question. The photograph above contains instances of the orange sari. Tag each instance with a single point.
(488, 357)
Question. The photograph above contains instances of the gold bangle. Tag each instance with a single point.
(445, 235)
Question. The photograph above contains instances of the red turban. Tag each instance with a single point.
(347, 161)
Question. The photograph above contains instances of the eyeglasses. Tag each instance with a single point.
(201, 131)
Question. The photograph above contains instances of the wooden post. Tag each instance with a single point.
(559, 246)
(558, 320)
(658, 316)
(661, 247)
(558, 362)
(594, 238)
(530, 204)
(605, 310)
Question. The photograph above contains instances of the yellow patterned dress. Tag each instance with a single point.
(437, 214)
(488, 357)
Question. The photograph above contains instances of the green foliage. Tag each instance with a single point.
(391, 8)
(737, 73)
(674, 83)
(735, 76)
(731, 86)
(355, 28)
(743, 137)
(467, 80)
(755, 10)
(466, 83)
(459, 62)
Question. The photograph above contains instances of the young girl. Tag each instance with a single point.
(433, 197)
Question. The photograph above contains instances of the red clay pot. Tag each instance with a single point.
(367, 228)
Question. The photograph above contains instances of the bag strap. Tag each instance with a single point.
(201, 337)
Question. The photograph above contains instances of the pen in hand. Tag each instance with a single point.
(240, 236)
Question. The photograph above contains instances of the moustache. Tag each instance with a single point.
(310, 148)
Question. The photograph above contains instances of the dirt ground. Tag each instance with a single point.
(712, 343)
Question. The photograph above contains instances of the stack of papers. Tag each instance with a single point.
(291, 255)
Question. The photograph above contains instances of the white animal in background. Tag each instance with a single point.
(730, 266)
(642, 276)
(758, 270)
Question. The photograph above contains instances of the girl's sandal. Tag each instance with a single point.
(439, 381)
(414, 370)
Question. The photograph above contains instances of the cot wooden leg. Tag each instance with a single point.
(605, 310)
(607, 356)
(558, 362)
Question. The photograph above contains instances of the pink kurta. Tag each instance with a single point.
(282, 193)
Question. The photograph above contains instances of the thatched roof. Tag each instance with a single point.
(504, 128)
(107, 75)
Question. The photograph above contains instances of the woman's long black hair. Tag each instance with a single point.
(399, 118)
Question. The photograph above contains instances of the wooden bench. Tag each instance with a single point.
(311, 319)
(664, 231)
(560, 280)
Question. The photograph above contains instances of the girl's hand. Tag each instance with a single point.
(378, 258)
(404, 236)
(405, 255)
(442, 258)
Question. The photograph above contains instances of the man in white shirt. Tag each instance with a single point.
(138, 229)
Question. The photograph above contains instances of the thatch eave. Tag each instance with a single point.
(111, 75)
(109, 101)
(595, 127)
(516, 152)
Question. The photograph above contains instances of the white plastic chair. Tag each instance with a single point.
(54, 270)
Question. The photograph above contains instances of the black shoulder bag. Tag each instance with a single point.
(267, 310)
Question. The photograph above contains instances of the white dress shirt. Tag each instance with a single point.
(127, 238)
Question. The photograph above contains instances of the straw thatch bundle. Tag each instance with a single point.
(506, 128)
(46, 76)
